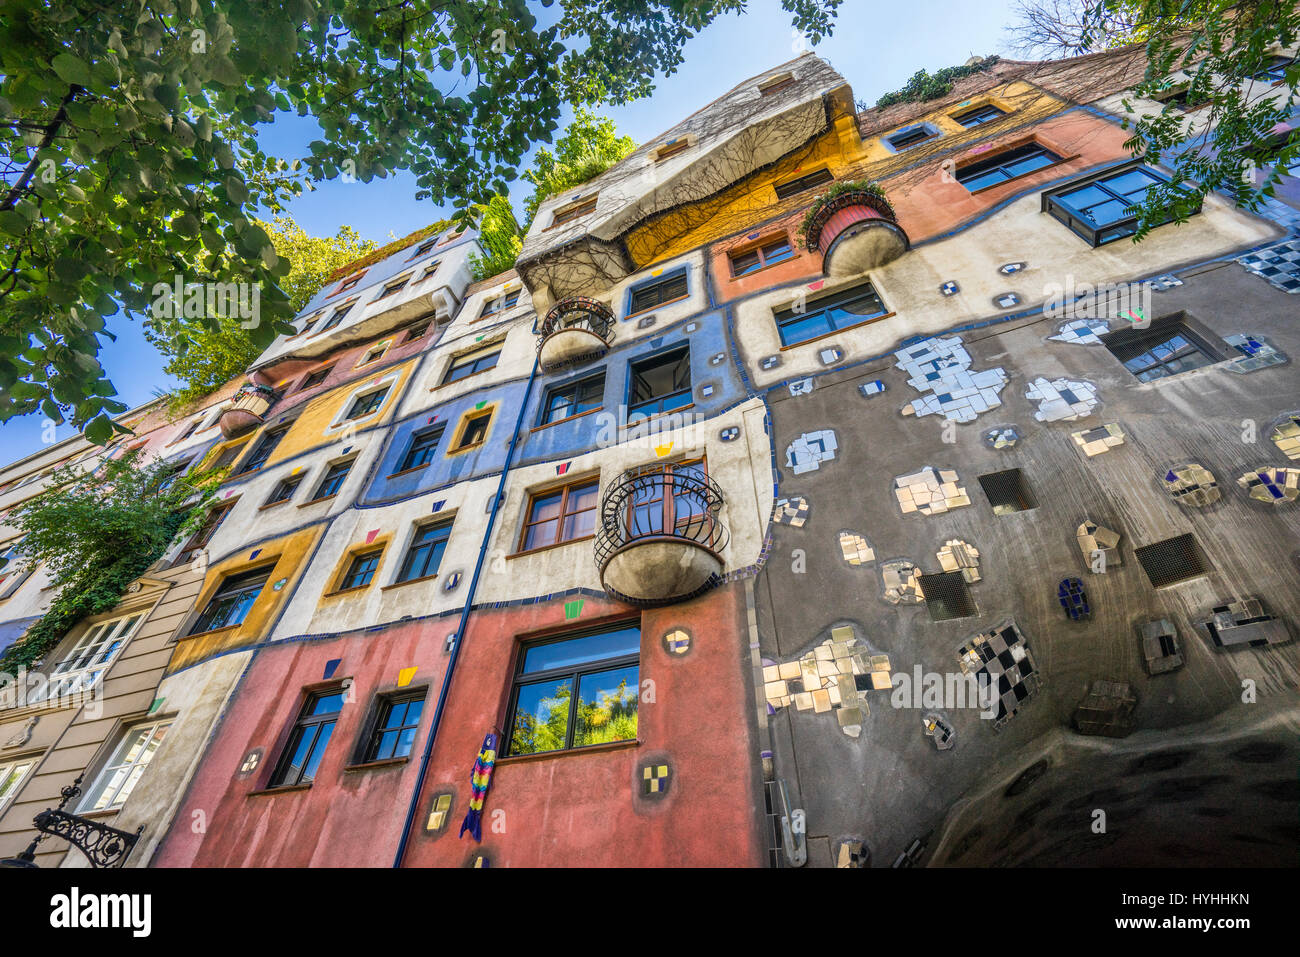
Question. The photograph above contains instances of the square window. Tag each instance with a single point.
(560, 515)
(308, 740)
(573, 398)
(315, 378)
(576, 692)
(333, 480)
(661, 383)
(396, 724)
(658, 292)
(1008, 492)
(361, 570)
(424, 554)
(120, 776)
(82, 668)
(203, 534)
(799, 184)
(418, 331)
(367, 404)
(233, 600)
(842, 310)
(1171, 561)
(372, 355)
(338, 315)
(423, 444)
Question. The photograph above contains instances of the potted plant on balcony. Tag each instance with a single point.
(857, 211)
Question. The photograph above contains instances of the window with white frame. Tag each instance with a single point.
(12, 774)
(125, 768)
(82, 668)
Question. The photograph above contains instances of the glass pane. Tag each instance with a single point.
(318, 750)
(328, 704)
(745, 263)
(405, 739)
(777, 252)
(804, 328)
(981, 180)
(607, 704)
(583, 497)
(1130, 182)
(387, 742)
(541, 718)
(580, 524)
(543, 533)
(1028, 164)
(576, 651)
(1105, 213)
(546, 507)
(299, 747)
(1080, 199)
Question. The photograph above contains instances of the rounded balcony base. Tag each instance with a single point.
(661, 571)
(863, 246)
(237, 422)
(568, 347)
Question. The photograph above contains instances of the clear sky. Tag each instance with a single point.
(876, 46)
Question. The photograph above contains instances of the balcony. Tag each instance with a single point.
(660, 538)
(576, 330)
(855, 230)
(248, 408)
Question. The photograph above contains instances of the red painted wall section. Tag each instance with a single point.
(804, 265)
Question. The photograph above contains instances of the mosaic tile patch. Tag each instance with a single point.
(1003, 655)
(1107, 710)
(1286, 436)
(1073, 599)
(856, 549)
(439, 812)
(1257, 353)
(1010, 269)
(677, 642)
(852, 853)
(930, 491)
(874, 387)
(1192, 484)
(1006, 300)
(730, 434)
(964, 557)
(1165, 282)
(1161, 652)
(1003, 437)
(792, 511)
(830, 355)
(810, 450)
(645, 322)
(1081, 332)
(1245, 621)
(950, 288)
(942, 367)
(1277, 486)
(1062, 400)
(1095, 540)
(830, 677)
(718, 359)
(769, 362)
(801, 387)
(938, 729)
(1099, 440)
(1279, 264)
(655, 779)
(901, 579)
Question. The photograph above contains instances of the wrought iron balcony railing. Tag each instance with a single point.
(576, 329)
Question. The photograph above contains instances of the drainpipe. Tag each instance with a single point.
(460, 626)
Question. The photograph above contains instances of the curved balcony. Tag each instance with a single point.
(660, 539)
(248, 409)
(576, 330)
(855, 231)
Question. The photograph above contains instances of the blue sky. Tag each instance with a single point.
(877, 46)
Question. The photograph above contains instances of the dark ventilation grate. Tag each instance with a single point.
(1007, 492)
(1170, 561)
(947, 596)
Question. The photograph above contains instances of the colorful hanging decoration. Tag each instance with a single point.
(480, 780)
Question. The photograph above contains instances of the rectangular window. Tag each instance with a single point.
(227, 456)
(1166, 348)
(393, 286)
(233, 599)
(1100, 208)
(1005, 166)
(500, 303)
(821, 317)
(560, 515)
(423, 248)
(673, 504)
(566, 401)
(284, 490)
(203, 534)
(83, 666)
(263, 449)
(576, 692)
(473, 432)
(661, 383)
(12, 774)
(901, 141)
(796, 186)
(315, 378)
(125, 768)
(672, 149)
(189, 430)
(395, 727)
(472, 362)
(577, 210)
(429, 270)
(776, 84)
(308, 740)
(333, 480)
(418, 331)
(423, 444)
(338, 315)
(1275, 71)
(754, 258)
(658, 293)
(367, 404)
(978, 116)
(349, 283)
(361, 570)
(424, 554)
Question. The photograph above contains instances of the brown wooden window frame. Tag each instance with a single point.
(560, 519)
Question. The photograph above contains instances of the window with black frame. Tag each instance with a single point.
(841, 310)
(361, 570)
(660, 383)
(367, 404)
(262, 451)
(311, 735)
(467, 365)
(573, 398)
(1005, 166)
(423, 444)
(1102, 208)
(333, 480)
(232, 600)
(979, 116)
(424, 554)
(658, 293)
(576, 691)
(396, 724)
(902, 141)
(284, 490)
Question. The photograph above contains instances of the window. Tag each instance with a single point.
(1180, 97)
(1166, 348)
(500, 303)
(658, 293)
(472, 362)
(1005, 166)
(333, 480)
(795, 186)
(473, 431)
(574, 398)
(573, 211)
(901, 141)
(560, 515)
(1275, 71)
(753, 258)
(393, 286)
(232, 600)
(671, 505)
(203, 534)
(661, 383)
(394, 732)
(227, 455)
(947, 596)
(576, 692)
(308, 740)
(284, 490)
(672, 148)
(12, 774)
(315, 378)
(125, 768)
(367, 404)
(340, 312)
(372, 355)
(361, 570)
(424, 554)
(423, 248)
(776, 84)
(821, 317)
(1173, 560)
(1008, 492)
(189, 430)
(419, 330)
(349, 283)
(429, 270)
(83, 666)
(263, 449)
(423, 444)
(1100, 208)
(979, 115)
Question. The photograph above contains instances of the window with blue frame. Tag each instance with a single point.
(423, 444)
(573, 398)
(1100, 208)
(1005, 166)
(660, 383)
(658, 292)
(841, 310)
(979, 116)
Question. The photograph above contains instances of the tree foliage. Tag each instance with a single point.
(930, 86)
(589, 146)
(129, 153)
(500, 237)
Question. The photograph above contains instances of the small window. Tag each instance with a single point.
(263, 449)
(423, 248)
(753, 258)
(394, 286)
(373, 355)
(125, 768)
(573, 211)
(307, 743)
(423, 444)
(660, 292)
(203, 534)
(776, 84)
(902, 141)
(1005, 166)
(429, 270)
(500, 303)
(333, 480)
(82, 668)
(284, 490)
(367, 404)
(560, 515)
(1180, 96)
(1166, 348)
(979, 116)
(418, 331)
(338, 315)
(473, 431)
(947, 596)
(232, 601)
(12, 774)
(794, 187)
(361, 570)
(1100, 208)
(315, 378)
(396, 725)
(574, 398)
(576, 692)
(349, 283)
(821, 317)
(1275, 70)
(672, 148)
(227, 456)
(1008, 492)
(424, 554)
(661, 383)
(470, 363)
(189, 430)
